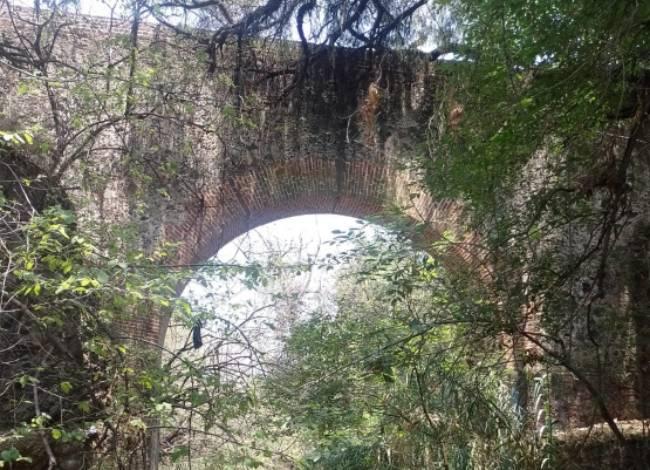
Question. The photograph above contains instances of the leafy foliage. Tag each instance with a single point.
(403, 387)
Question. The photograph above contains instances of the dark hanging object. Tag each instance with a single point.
(196, 335)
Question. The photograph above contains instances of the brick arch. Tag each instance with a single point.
(247, 198)
(241, 200)
(244, 199)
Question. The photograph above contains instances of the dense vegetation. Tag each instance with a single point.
(401, 377)
(420, 361)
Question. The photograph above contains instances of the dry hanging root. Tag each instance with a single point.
(455, 116)
(368, 113)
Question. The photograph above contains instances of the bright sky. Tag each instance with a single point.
(104, 8)
(257, 309)
(86, 7)
(301, 238)
(311, 230)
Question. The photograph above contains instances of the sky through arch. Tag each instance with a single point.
(314, 244)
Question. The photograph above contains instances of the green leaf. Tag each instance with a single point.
(10, 455)
(137, 423)
(27, 379)
(526, 102)
(65, 387)
(23, 88)
(179, 452)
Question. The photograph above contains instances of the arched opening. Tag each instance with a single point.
(365, 189)
(270, 277)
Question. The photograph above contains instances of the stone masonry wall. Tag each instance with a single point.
(198, 159)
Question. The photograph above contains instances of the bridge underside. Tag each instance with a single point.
(247, 199)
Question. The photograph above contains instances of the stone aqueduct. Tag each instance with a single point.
(255, 146)
(312, 150)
